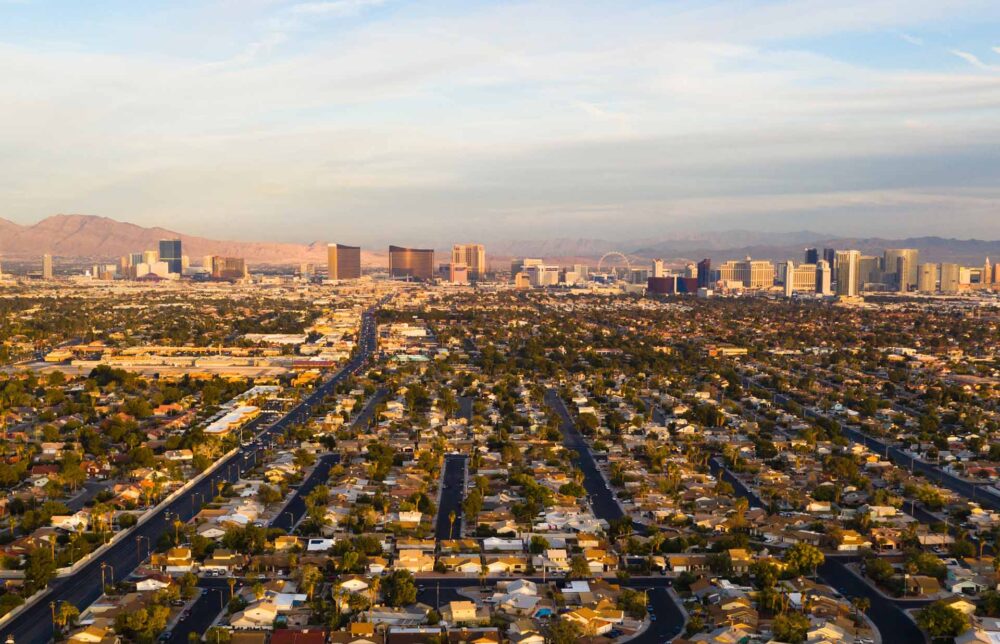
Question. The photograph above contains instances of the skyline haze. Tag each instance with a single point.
(378, 120)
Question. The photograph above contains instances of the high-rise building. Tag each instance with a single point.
(46, 266)
(927, 278)
(521, 265)
(824, 277)
(901, 264)
(228, 268)
(987, 272)
(705, 273)
(150, 257)
(415, 263)
(811, 255)
(542, 275)
(950, 277)
(473, 256)
(343, 262)
(789, 278)
(753, 273)
(691, 270)
(869, 271)
(170, 252)
(848, 270)
(658, 270)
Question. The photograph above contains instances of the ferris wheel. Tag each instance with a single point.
(613, 254)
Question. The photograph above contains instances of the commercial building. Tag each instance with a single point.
(542, 275)
(950, 277)
(824, 277)
(170, 252)
(343, 262)
(474, 258)
(411, 263)
(901, 265)
(869, 273)
(458, 273)
(811, 255)
(752, 273)
(46, 267)
(521, 265)
(705, 273)
(789, 278)
(927, 278)
(228, 268)
(658, 270)
(847, 267)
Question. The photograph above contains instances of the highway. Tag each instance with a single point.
(34, 623)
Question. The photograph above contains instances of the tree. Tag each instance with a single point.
(67, 614)
(268, 495)
(578, 568)
(791, 627)
(38, 570)
(879, 570)
(399, 589)
(309, 576)
(451, 523)
(940, 620)
(804, 558)
(563, 631)
(538, 544)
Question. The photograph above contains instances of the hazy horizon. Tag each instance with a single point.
(382, 120)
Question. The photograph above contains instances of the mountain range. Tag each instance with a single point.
(100, 238)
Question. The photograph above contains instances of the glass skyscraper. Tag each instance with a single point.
(170, 252)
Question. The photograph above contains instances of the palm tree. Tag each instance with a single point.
(861, 605)
(451, 524)
(741, 505)
(309, 577)
(373, 588)
(68, 614)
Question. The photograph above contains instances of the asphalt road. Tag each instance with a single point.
(668, 623)
(295, 509)
(601, 498)
(34, 624)
(465, 407)
(887, 614)
(452, 493)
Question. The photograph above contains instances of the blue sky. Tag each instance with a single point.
(431, 122)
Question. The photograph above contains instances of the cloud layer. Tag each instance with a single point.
(365, 120)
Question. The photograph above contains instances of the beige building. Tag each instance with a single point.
(902, 262)
(848, 270)
(752, 273)
(473, 256)
(950, 277)
(927, 278)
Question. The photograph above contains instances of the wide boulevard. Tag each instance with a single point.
(83, 587)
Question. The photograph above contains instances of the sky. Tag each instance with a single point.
(429, 122)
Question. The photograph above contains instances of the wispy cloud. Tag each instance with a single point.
(348, 116)
(974, 60)
(913, 40)
(336, 8)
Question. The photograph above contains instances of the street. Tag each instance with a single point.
(34, 622)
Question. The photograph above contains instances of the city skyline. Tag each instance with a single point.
(523, 120)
